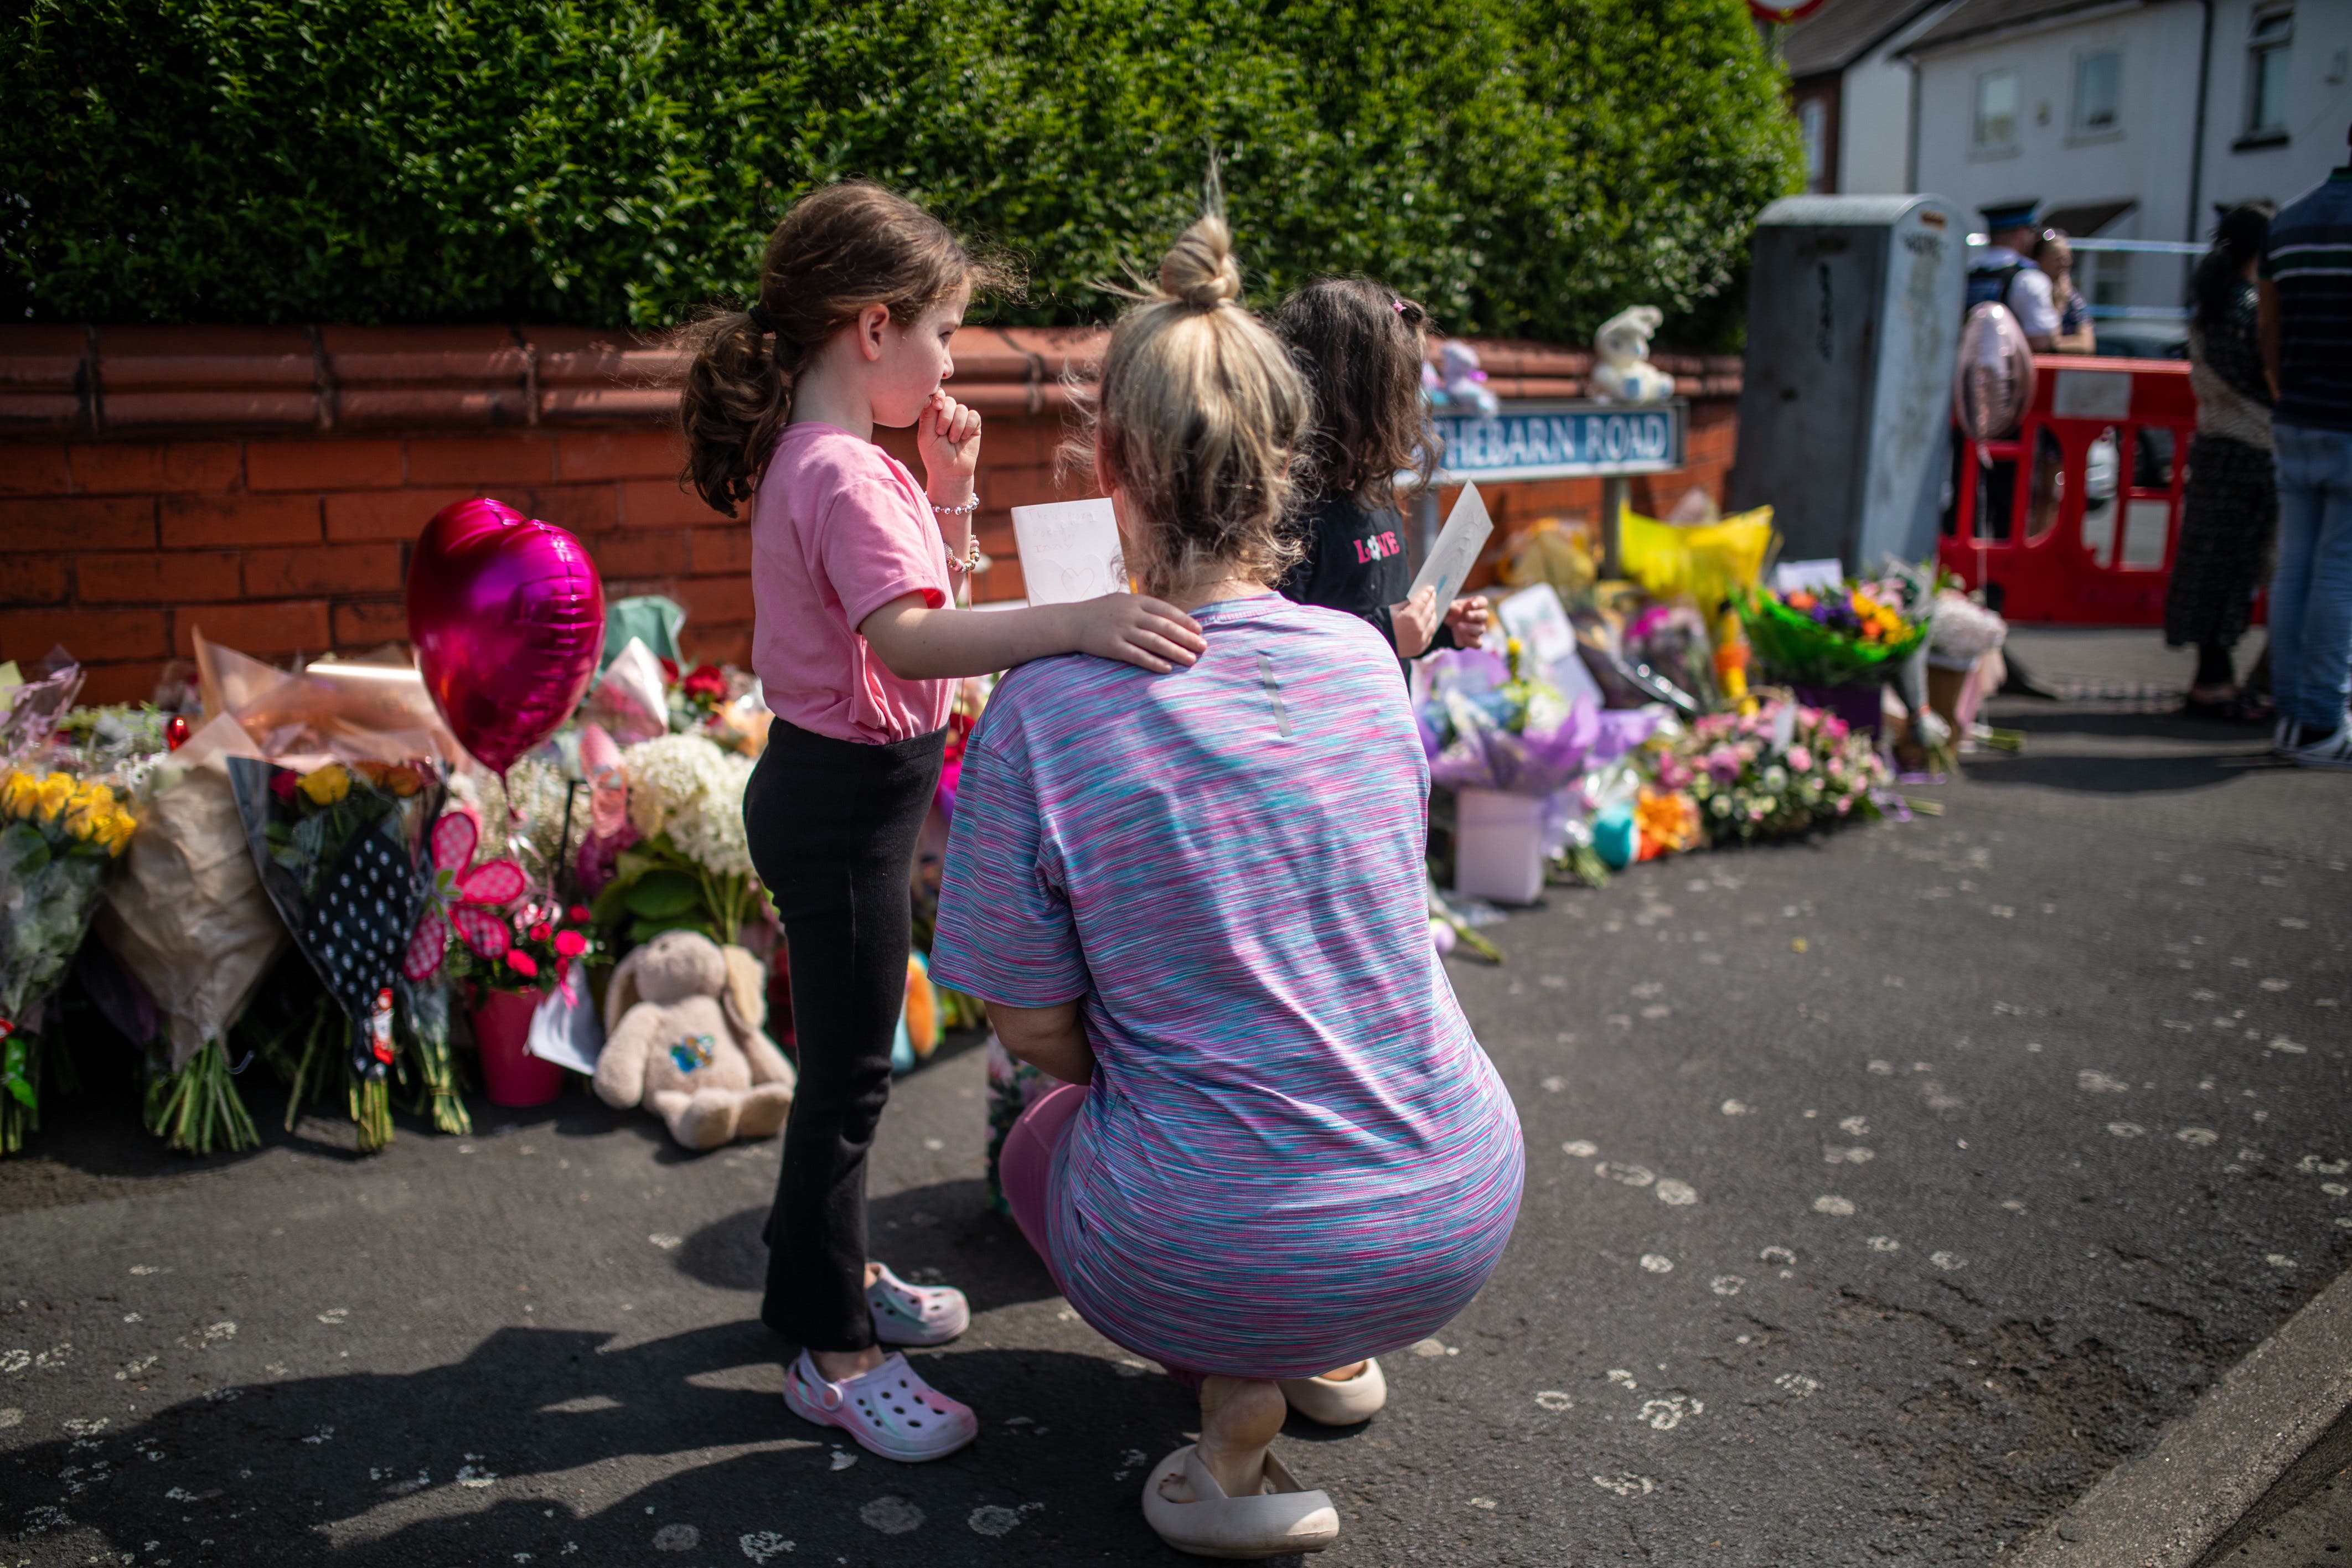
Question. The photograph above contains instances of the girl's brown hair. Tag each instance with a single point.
(1198, 422)
(1359, 346)
(839, 249)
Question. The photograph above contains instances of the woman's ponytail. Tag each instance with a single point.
(840, 249)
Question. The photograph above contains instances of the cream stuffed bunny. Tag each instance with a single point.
(1624, 373)
(683, 1016)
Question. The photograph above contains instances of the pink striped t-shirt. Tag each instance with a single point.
(839, 530)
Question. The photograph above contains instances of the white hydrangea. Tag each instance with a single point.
(688, 788)
(711, 832)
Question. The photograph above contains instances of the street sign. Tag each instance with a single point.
(1539, 439)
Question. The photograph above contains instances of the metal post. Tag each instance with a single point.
(1615, 492)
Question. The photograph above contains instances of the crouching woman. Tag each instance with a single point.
(1198, 898)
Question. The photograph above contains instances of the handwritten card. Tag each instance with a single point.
(1456, 550)
(1538, 619)
(1069, 551)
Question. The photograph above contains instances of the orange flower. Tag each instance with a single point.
(1667, 822)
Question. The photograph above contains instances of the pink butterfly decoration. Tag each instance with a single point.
(461, 895)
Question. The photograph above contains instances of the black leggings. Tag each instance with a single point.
(832, 825)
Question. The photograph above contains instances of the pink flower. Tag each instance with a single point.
(570, 943)
(524, 964)
(1833, 727)
(1800, 759)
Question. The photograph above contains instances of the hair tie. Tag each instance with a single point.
(759, 317)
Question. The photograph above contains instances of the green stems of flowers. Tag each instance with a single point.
(199, 1105)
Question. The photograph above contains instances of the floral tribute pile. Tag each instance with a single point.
(184, 870)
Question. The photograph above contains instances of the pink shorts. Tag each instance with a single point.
(1025, 1170)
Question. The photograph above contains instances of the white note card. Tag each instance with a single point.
(1069, 551)
(1456, 550)
(568, 1034)
(1789, 576)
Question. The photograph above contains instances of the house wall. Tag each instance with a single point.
(2147, 159)
(1874, 157)
(2319, 107)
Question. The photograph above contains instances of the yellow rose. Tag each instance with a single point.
(56, 792)
(328, 785)
(114, 830)
(19, 793)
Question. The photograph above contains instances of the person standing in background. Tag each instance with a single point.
(2228, 520)
(2054, 254)
(2306, 314)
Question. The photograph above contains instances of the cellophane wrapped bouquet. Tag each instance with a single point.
(59, 835)
(690, 867)
(1489, 723)
(1853, 634)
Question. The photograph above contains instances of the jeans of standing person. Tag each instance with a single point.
(2310, 596)
(832, 825)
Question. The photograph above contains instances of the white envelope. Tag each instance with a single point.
(1456, 550)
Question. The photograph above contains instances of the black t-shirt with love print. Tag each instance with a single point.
(1355, 561)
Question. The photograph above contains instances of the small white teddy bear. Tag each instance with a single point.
(1624, 373)
(685, 1041)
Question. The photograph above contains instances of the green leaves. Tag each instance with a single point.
(1523, 166)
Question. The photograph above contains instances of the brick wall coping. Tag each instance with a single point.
(95, 382)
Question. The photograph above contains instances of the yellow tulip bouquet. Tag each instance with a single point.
(58, 835)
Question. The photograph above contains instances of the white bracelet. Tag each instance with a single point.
(971, 506)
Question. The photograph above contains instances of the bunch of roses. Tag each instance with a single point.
(1778, 769)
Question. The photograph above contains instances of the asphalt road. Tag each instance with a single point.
(1885, 1190)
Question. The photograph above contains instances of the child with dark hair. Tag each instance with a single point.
(858, 647)
(1359, 346)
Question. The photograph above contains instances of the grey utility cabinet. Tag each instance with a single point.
(1853, 315)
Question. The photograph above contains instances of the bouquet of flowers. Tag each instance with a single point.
(57, 837)
(1487, 724)
(544, 943)
(339, 848)
(1778, 769)
(1849, 635)
(691, 867)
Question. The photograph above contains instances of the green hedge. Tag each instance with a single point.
(1526, 166)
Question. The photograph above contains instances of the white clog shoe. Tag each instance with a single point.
(1284, 1518)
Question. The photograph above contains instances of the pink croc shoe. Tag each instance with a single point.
(915, 1314)
(889, 1411)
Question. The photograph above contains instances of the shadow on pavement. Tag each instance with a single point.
(507, 1452)
(925, 1234)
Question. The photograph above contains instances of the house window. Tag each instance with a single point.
(1813, 124)
(2267, 56)
(1996, 109)
(2098, 92)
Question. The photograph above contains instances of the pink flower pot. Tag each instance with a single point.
(511, 1076)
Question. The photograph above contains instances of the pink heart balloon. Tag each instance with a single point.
(508, 617)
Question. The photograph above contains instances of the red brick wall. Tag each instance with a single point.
(278, 546)
(121, 546)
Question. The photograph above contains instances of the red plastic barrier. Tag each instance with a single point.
(2033, 551)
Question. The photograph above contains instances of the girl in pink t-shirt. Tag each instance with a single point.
(859, 646)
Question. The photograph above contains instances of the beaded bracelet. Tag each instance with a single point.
(971, 506)
(972, 559)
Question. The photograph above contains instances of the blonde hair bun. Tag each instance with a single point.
(1200, 269)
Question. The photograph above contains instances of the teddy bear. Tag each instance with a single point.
(683, 1018)
(1624, 373)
